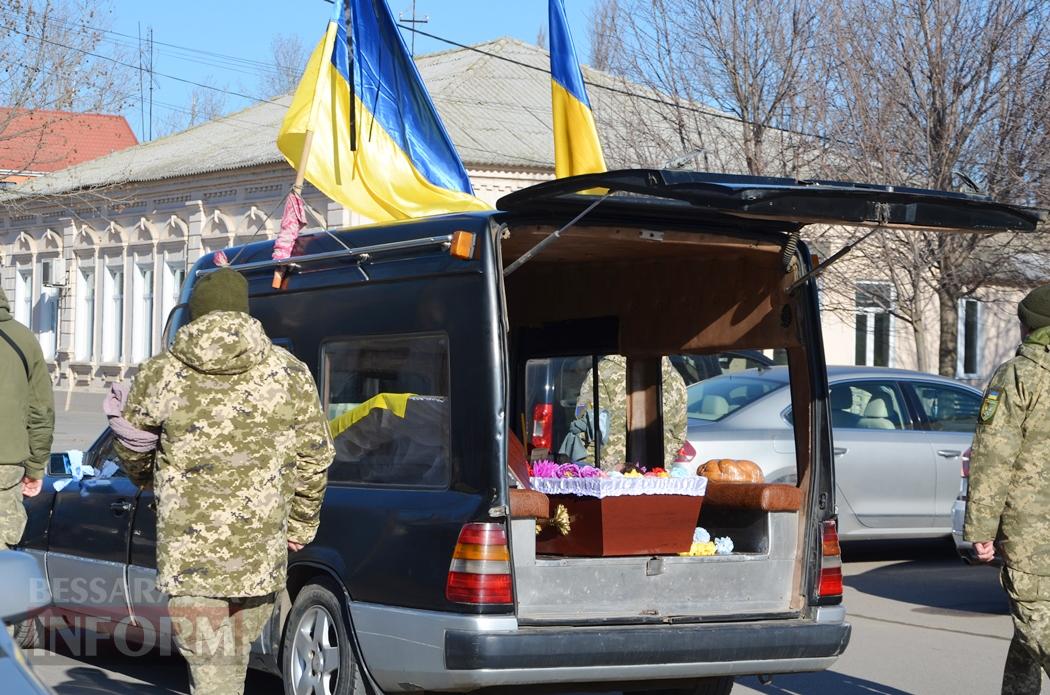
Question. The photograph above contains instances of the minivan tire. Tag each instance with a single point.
(722, 685)
(316, 654)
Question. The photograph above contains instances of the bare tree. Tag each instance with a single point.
(605, 22)
(753, 63)
(54, 60)
(541, 37)
(204, 105)
(939, 93)
(288, 55)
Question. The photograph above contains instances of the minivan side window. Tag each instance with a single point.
(387, 403)
(948, 409)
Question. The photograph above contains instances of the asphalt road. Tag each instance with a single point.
(923, 623)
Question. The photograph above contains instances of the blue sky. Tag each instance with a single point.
(244, 29)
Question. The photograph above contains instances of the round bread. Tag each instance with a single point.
(731, 471)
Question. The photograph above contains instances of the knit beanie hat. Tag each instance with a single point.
(1034, 310)
(223, 290)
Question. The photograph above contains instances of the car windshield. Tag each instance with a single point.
(715, 399)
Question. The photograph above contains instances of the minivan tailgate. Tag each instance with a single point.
(792, 203)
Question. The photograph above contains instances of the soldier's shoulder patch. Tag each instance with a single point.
(990, 404)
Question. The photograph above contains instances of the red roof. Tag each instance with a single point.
(45, 141)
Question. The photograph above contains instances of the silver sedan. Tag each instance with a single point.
(898, 435)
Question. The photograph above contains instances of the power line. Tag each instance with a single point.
(135, 67)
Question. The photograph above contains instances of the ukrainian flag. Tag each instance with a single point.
(379, 149)
(576, 146)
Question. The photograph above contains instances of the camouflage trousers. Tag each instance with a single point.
(215, 636)
(12, 513)
(1029, 653)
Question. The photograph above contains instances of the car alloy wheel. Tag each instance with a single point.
(315, 654)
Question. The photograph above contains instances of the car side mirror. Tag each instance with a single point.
(58, 466)
(23, 589)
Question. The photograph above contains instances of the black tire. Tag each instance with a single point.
(316, 655)
(26, 634)
(709, 686)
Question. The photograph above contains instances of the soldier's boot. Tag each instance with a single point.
(1023, 673)
(214, 635)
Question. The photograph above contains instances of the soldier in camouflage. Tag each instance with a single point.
(239, 473)
(1009, 492)
(612, 397)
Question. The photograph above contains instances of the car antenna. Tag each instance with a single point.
(553, 236)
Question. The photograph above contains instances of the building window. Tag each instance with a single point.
(174, 277)
(969, 341)
(874, 333)
(24, 297)
(142, 327)
(46, 323)
(387, 400)
(85, 336)
(113, 315)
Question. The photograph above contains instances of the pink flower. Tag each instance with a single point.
(590, 472)
(569, 470)
(545, 469)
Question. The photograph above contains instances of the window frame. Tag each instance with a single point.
(324, 384)
(870, 313)
(960, 339)
(915, 403)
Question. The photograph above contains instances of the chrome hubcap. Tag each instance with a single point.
(315, 654)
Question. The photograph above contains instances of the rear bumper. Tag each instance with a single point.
(651, 646)
(419, 650)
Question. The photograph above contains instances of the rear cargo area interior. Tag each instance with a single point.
(646, 295)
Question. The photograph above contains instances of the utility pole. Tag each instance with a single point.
(151, 83)
(142, 97)
(413, 21)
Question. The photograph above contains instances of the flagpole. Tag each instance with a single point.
(308, 140)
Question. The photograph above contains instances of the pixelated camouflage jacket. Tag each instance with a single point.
(241, 465)
(612, 395)
(1009, 488)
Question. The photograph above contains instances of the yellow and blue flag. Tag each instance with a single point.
(377, 144)
(576, 146)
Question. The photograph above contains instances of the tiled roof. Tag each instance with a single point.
(46, 141)
(497, 112)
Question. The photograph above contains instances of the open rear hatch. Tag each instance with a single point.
(657, 268)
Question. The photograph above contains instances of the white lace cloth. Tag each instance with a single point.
(617, 487)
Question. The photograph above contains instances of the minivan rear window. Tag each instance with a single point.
(387, 403)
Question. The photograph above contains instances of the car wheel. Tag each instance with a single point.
(707, 686)
(26, 634)
(317, 658)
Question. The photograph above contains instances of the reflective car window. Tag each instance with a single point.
(717, 398)
(948, 409)
(870, 405)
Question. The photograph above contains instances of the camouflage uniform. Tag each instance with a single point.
(1009, 500)
(240, 470)
(612, 395)
(27, 420)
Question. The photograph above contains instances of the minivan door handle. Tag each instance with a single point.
(841, 451)
(119, 508)
(949, 453)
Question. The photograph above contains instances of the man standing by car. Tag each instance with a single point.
(1009, 494)
(27, 422)
(240, 472)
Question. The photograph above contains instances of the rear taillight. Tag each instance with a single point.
(830, 590)
(966, 463)
(480, 570)
(542, 425)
